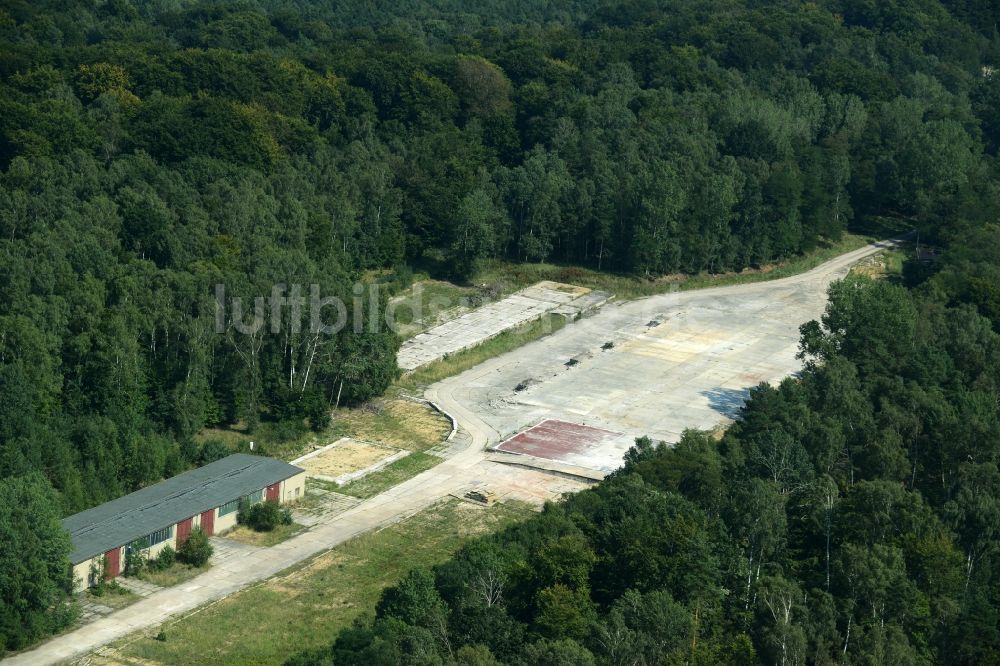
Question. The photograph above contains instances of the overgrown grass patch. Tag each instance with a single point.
(390, 420)
(886, 264)
(277, 440)
(462, 361)
(806, 262)
(391, 475)
(427, 302)
(304, 607)
(246, 535)
(394, 421)
(112, 595)
(176, 573)
(321, 484)
(508, 277)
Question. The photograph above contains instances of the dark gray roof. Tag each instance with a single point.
(122, 521)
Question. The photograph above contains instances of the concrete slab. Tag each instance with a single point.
(90, 611)
(324, 511)
(227, 550)
(676, 361)
(139, 587)
(570, 443)
(575, 472)
(476, 327)
(690, 371)
(348, 459)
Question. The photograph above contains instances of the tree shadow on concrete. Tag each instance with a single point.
(727, 401)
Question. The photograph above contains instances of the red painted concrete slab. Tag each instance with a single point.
(566, 442)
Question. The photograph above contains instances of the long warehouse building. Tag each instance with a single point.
(164, 514)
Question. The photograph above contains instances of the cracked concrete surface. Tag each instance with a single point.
(675, 361)
(493, 319)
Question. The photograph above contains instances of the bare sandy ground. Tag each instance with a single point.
(347, 456)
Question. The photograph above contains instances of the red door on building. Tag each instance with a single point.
(183, 531)
(112, 563)
(208, 522)
(274, 493)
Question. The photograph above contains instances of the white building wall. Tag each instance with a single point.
(293, 489)
(81, 573)
(226, 522)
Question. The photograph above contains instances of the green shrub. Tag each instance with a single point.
(243, 512)
(164, 560)
(212, 450)
(135, 558)
(107, 587)
(317, 410)
(97, 573)
(263, 517)
(282, 431)
(196, 550)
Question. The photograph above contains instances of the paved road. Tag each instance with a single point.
(466, 465)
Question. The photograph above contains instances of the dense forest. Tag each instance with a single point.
(152, 149)
(851, 515)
